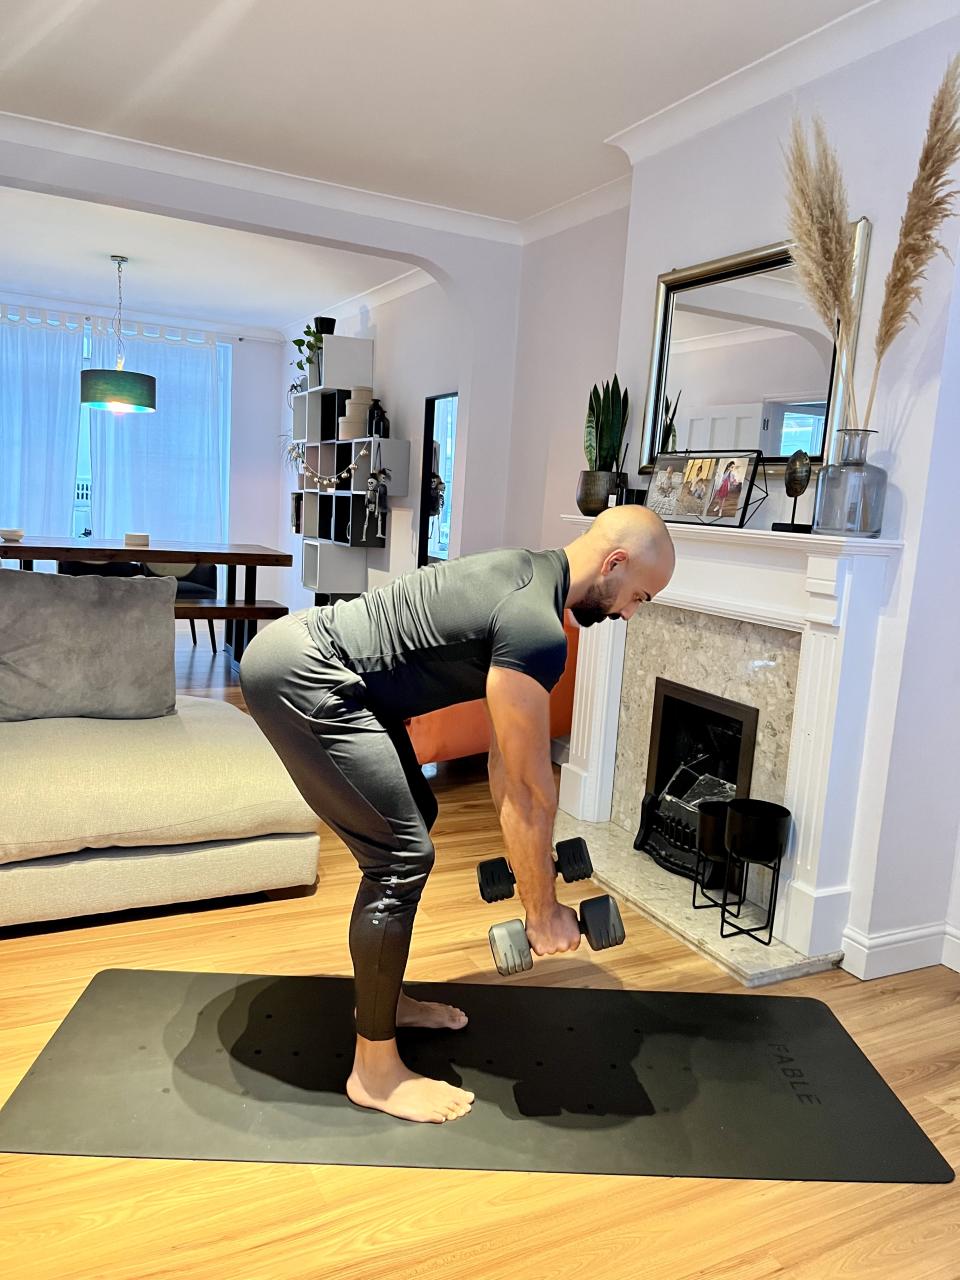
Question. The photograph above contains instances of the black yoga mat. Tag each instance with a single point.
(213, 1066)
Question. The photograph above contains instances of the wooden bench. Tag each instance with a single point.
(217, 609)
(231, 611)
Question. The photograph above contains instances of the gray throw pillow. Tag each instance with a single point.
(87, 646)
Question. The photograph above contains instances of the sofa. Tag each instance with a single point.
(115, 792)
(464, 730)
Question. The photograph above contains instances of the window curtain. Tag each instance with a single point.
(161, 473)
(40, 363)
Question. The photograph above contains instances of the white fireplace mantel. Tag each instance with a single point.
(831, 590)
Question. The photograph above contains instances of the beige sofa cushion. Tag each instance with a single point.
(204, 773)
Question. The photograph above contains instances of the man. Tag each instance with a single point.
(331, 687)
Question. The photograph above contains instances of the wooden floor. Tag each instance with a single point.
(92, 1219)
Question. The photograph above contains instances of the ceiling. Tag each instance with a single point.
(497, 107)
(177, 270)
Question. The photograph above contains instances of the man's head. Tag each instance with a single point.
(624, 559)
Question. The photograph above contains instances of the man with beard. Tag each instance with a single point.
(331, 688)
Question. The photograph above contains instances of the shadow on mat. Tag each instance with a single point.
(589, 1057)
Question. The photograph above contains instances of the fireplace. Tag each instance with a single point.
(701, 748)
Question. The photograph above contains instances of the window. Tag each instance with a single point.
(82, 507)
(65, 470)
(793, 425)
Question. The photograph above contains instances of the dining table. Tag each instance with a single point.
(240, 617)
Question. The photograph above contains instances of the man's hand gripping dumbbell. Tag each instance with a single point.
(557, 928)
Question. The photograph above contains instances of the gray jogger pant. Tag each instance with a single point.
(361, 776)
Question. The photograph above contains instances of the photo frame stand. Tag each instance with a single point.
(754, 483)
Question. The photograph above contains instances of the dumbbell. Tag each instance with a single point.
(600, 923)
(497, 881)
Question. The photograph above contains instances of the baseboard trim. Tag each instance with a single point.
(951, 947)
(878, 955)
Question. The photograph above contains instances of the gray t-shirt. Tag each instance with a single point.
(428, 638)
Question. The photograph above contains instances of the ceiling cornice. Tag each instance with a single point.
(874, 26)
(46, 135)
(592, 204)
(388, 291)
(164, 319)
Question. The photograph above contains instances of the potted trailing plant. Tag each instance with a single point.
(293, 454)
(603, 434)
(310, 348)
(310, 354)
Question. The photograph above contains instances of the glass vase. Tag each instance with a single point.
(851, 492)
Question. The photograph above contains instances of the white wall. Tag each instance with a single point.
(876, 113)
(256, 425)
(917, 850)
(414, 356)
(569, 317)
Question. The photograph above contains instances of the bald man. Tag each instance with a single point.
(331, 687)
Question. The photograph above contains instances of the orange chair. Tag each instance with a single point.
(463, 730)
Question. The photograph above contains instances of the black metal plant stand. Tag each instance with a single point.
(711, 852)
(755, 834)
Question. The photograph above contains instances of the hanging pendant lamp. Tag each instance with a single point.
(118, 389)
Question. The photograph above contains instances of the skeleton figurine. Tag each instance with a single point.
(375, 502)
(437, 490)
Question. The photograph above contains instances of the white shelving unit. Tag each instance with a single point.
(334, 546)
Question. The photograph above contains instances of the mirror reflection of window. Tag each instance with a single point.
(444, 447)
(751, 366)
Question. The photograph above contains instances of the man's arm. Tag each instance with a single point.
(523, 789)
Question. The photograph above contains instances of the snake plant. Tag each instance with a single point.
(605, 427)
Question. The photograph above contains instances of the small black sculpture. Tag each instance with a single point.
(796, 478)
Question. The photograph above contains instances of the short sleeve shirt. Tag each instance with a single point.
(428, 638)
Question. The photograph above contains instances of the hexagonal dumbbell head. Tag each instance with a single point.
(601, 922)
(573, 859)
(511, 947)
(495, 879)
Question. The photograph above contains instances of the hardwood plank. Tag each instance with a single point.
(137, 1219)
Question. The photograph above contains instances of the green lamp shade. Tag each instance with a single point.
(118, 390)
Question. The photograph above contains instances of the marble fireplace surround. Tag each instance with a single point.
(831, 592)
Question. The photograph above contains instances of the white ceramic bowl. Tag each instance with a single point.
(11, 535)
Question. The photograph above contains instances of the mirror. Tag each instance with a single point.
(436, 478)
(741, 360)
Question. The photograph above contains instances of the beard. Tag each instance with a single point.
(594, 607)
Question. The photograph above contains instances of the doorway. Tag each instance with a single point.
(436, 477)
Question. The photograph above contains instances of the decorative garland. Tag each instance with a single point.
(330, 482)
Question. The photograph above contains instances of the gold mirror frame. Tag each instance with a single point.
(767, 258)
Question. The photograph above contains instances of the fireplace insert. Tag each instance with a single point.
(701, 748)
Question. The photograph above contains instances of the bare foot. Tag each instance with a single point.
(426, 1013)
(404, 1094)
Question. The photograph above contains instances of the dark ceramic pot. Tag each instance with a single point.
(594, 490)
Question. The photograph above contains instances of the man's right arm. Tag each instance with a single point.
(524, 791)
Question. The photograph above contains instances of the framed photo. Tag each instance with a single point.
(704, 487)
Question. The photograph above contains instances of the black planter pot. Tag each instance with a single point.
(711, 829)
(594, 489)
(757, 831)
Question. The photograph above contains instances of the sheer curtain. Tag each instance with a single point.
(161, 473)
(40, 362)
